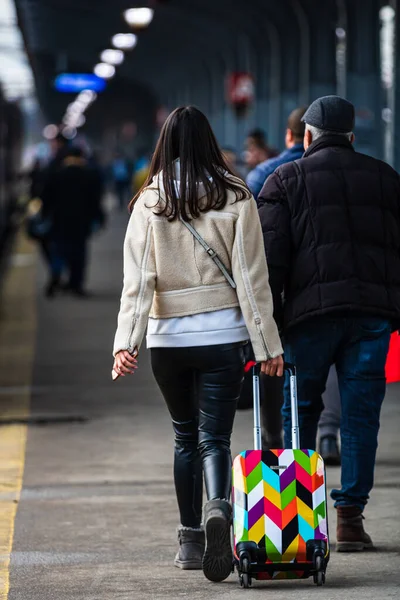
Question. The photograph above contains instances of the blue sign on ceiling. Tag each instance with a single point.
(76, 82)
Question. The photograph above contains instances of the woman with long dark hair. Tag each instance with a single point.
(195, 275)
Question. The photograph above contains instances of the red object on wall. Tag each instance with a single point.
(393, 360)
(240, 89)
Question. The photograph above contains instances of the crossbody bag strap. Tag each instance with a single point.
(211, 253)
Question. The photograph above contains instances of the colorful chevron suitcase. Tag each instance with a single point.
(279, 506)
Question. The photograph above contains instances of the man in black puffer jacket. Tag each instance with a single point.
(331, 223)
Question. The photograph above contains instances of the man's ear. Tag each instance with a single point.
(352, 138)
(307, 139)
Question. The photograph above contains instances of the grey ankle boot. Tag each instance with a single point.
(191, 548)
(218, 559)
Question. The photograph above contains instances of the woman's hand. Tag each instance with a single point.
(273, 366)
(125, 363)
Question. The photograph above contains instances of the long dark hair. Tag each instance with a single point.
(187, 136)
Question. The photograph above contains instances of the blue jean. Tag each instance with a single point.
(358, 347)
(329, 423)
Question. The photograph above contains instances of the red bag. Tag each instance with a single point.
(393, 359)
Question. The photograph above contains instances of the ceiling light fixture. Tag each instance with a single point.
(104, 70)
(112, 57)
(80, 104)
(76, 108)
(69, 132)
(75, 121)
(50, 132)
(74, 116)
(387, 13)
(124, 41)
(80, 121)
(87, 96)
(139, 17)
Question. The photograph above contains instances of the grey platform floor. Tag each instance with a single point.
(97, 516)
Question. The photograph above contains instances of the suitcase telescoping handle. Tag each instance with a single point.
(291, 369)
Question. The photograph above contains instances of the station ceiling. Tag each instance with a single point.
(69, 35)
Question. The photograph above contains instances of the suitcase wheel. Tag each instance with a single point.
(245, 577)
(245, 581)
(319, 574)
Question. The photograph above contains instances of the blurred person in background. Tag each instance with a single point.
(329, 423)
(58, 147)
(121, 173)
(331, 224)
(34, 221)
(141, 171)
(143, 159)
(38, 224)
(72, 202)
(37, 178)
(231, 158)
(294, 150)
(94, 162)
(197, 321)
(257, 149)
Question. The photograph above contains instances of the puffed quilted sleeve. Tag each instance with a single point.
(275, 222)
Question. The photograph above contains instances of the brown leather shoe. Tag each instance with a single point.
(350, 533)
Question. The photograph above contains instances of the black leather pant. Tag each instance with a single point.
(201, 386)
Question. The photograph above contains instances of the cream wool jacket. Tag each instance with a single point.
(167, 273)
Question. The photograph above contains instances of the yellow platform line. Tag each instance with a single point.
(17, 342)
